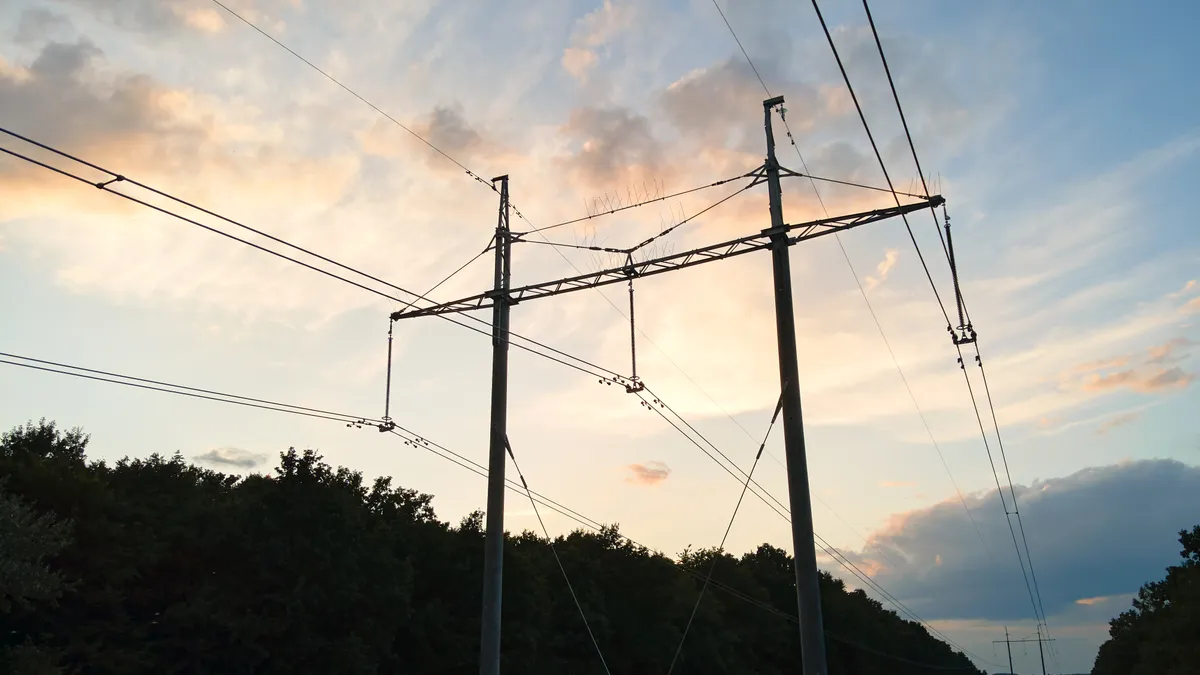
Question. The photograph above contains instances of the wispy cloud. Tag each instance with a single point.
(1169, 351)
(1095, 601)
(1188, 288)
(1115, 421)
(882, 269)
(649, 473)
(1141, 381)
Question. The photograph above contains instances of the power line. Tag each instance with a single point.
(879, 157)
(275, 406)
(411, 438)
(191, 392)
(119, 178)
(1039, 606)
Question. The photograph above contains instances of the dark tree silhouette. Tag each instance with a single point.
(1161, 634)
(171, 568)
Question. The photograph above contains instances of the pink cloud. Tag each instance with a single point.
(650, 473)
(1144, 382)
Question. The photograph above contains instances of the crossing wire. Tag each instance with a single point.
(411, 438)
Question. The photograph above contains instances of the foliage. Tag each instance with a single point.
(1161, 634)
(27, 538)
(177, 569)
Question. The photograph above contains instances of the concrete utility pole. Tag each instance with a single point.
(808, 592)
(493, 548)
(779, 237)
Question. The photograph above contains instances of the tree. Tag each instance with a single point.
(27, 540)
(177, 569)
(1158, 636)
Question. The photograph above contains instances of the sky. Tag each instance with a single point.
(1059, 133)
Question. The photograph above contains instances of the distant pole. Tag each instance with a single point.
(493, 548)
(1009, 645)
(1041, 653)
(808, 592)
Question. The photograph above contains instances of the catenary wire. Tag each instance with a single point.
(995, 475)
(247, 402)
(476, 177)
(119, 178)
(1039, 606)
(410, 437)
(266, 404)
(878, 156)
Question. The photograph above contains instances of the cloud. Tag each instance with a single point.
(445, 127)
(1188, 288)
(235, 457)
(650, 473)
(1102, 364)
(578, 61)
(1095, 601)
(159, 16)
(1168, 351)
(1101, 531)
(721, 105)
(610, 145)
(204, 19)
(38, 23)
(1115, 421)
(1142, 382)
(885, 266)
(1150, 376)
(593, 31)
(1192, 305)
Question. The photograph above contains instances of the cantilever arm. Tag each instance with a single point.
(727, 249)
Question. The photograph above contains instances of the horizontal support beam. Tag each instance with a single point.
(645, 268)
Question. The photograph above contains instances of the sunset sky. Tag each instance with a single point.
(1063, 136)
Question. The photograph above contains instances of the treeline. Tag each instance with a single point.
(1160, 635)
(157, 566)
